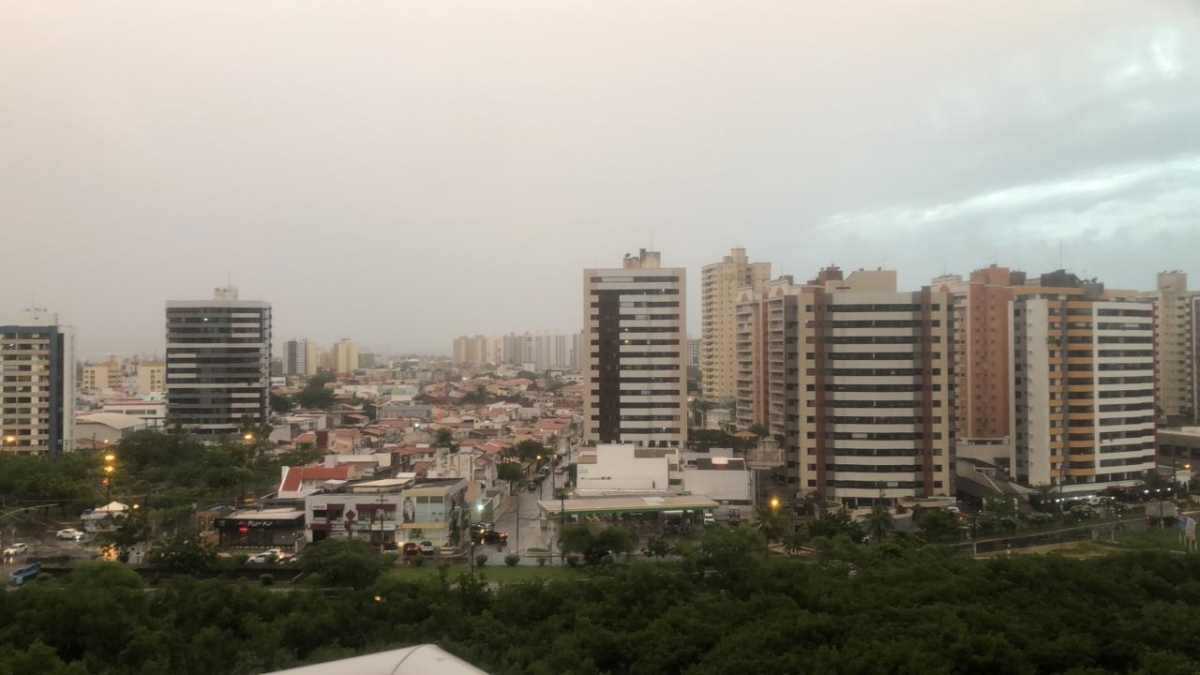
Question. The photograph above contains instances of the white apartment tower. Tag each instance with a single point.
(1174, 346)
(1083, 385)
(872, 397)
(218, 364)
(635, 353)
(720, 285)
(300, 358)
(37, 385)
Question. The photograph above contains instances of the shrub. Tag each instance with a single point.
(417, 561)
(512, 559)
(542, 560)
(266, 579)
(481, 560)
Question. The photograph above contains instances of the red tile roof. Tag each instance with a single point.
(298, 474)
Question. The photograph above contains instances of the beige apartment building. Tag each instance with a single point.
(721, 285)
(982, 364)
(1083, 385)
(151, 376)
(37, 385)
(765, 380)
(856, 378)
(101, 376)
(344, 356)
(1174, 346)
(634, 349)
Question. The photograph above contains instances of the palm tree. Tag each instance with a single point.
(879, 523)
(770, 521)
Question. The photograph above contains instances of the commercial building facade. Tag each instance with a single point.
(635, 356)
(37, 385)
(218, 364)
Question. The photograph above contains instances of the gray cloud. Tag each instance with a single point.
(400, 173)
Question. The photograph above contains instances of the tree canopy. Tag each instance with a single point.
(726, 608)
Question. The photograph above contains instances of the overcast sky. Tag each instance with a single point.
(403, 172)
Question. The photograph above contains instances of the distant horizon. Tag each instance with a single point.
(693, 332)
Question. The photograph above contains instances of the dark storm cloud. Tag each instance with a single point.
(400, 173)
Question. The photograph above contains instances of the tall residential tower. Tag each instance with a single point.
(720, 285)
(635, 353)
(37, 385)
(218, 364)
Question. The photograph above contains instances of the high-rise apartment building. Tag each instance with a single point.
(720, 285)
(101, 376)
(218, 364)
(344, 356)
(1174, 346)
(1083, 385)
(37, 385)
(766, 358)
(693, 353)
(982, 363)
(301, 357)
(873, 396)
(634, 353)
(151, 376)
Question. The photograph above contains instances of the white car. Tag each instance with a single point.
(268, 556)
(70, 534)
(709, 518)
(16, 550)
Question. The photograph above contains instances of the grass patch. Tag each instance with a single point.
(1147, 540)
(494, 573)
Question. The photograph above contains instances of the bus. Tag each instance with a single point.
(23, 574)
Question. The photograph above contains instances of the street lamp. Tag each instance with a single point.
(109, 468)
(774, 503)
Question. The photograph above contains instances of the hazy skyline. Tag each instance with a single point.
(401, 173)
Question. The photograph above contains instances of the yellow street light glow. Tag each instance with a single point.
(248, 437)
(110, 457)
(774, 502)
(108, 469)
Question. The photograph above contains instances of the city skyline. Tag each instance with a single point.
(480, 156)
(439, 346)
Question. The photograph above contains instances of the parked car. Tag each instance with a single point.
(70, 534)
(411, 548)
(735, 517)
(482, 526)
(492, 537)
(709, 518)
(267, 557)
(427, 548)
(16, 550)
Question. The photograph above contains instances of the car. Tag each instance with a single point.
(267, 557)
(427, 547)
(16, 550)
(709, 518)
(735, 518)
(69, 534)
(492, 537)
(479, 528)
(411, 548)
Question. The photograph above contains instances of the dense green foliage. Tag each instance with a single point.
(314, 395)
(726, 608)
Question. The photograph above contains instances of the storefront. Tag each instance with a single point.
(269, 528)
